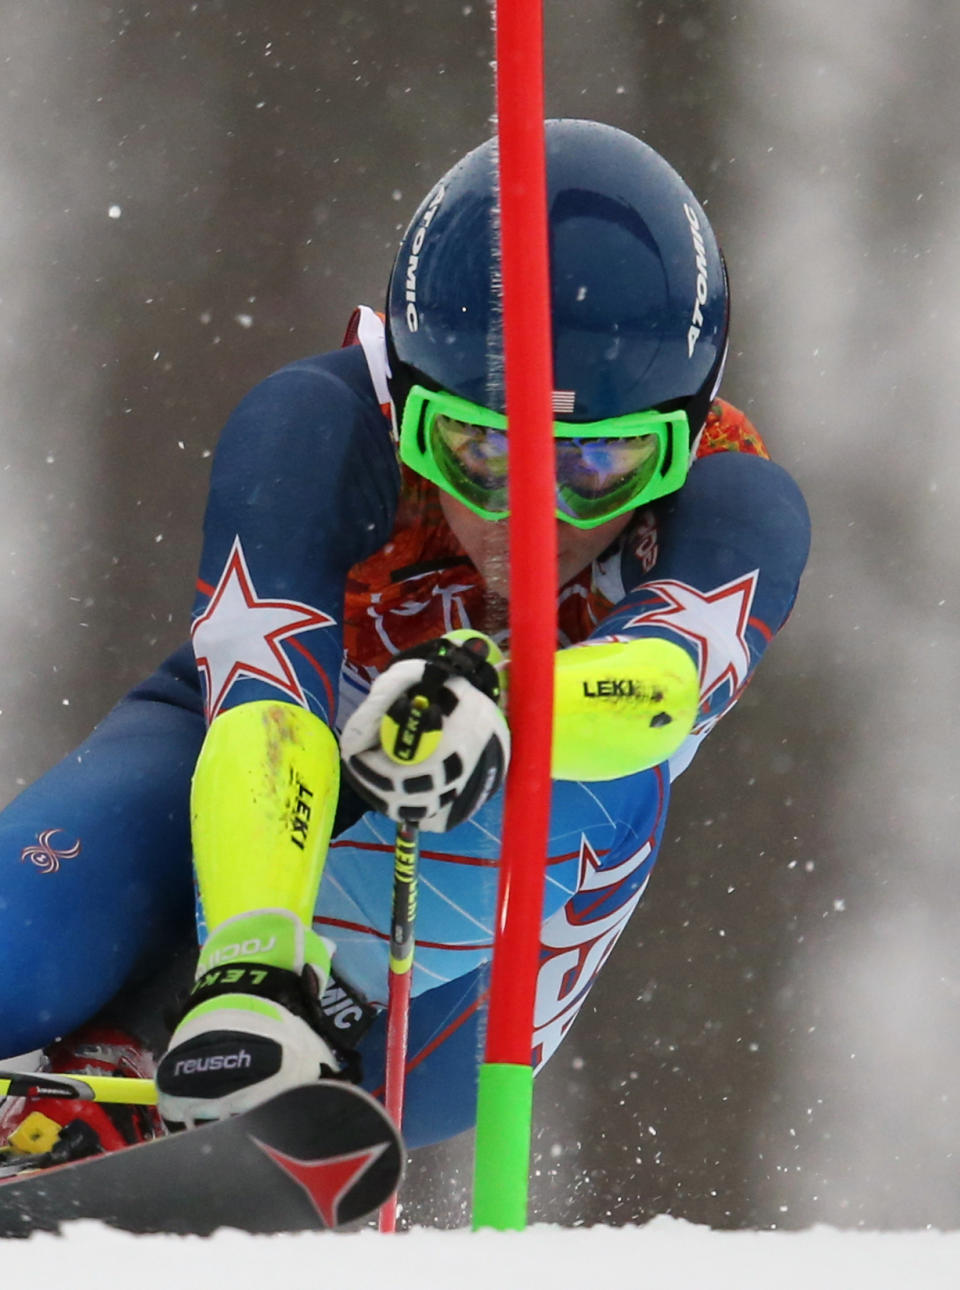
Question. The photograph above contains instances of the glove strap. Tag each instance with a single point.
(412, 726)
(468, 658)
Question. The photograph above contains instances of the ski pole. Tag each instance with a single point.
(402, 945)
(407, 735)
(85, 1088)
(401, 735)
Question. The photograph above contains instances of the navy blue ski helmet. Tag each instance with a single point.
(638, 283)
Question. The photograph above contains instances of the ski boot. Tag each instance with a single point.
(253, 1025)
(36, 1133)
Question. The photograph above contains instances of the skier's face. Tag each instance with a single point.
(485, 542)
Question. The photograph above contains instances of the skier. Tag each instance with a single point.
(336, 581)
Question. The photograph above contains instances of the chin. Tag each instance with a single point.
(568, 567)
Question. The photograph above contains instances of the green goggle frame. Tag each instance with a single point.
(661, 472)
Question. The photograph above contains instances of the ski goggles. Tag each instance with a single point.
(603, 468)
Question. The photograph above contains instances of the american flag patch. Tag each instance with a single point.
(563, 400)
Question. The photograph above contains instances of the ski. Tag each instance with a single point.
(315, 1157)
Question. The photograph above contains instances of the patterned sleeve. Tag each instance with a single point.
(304, 484)
(717, 568)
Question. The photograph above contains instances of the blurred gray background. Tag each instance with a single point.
(195, 192)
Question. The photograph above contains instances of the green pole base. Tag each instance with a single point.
(501, 1174)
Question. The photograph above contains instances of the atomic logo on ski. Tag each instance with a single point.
(239, 634)
(329, 1181)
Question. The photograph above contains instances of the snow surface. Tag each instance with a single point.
(666, 1254)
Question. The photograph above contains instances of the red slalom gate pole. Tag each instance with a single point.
(505, 1096)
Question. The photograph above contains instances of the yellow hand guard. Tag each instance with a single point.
(263, 801)
(621, 707)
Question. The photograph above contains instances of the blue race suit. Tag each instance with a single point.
(315, 527)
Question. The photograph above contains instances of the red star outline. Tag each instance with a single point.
(325, 1182)
(300, 617)
(594, 877)
(588, 863)
(686, 602)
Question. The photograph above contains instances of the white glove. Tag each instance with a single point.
(429, 745)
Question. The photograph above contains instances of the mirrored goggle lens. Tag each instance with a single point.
(594, 476)
(473, 460)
